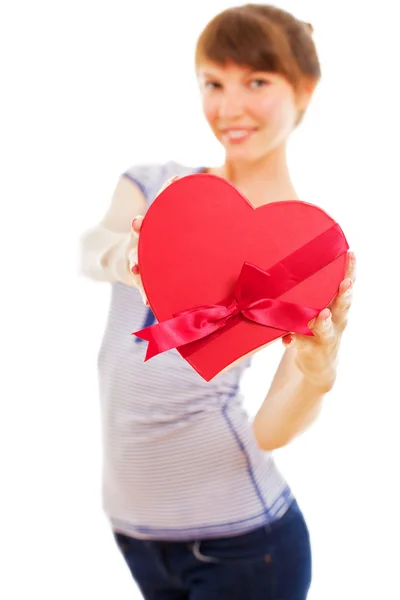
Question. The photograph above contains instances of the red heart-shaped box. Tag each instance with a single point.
(194, 240)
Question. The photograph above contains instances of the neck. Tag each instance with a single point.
(263, 181)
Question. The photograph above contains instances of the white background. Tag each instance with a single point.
(90, 88)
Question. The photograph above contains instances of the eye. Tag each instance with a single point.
(212, 85)
(258, 83)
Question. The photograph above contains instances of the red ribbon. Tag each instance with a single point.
(255, 298)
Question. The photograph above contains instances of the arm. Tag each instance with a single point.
(290, 407)
(106, 248)
(307, 372)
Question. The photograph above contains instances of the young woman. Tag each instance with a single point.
(197, 505)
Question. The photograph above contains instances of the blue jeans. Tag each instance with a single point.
(272, 562)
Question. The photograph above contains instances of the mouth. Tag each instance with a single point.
(237, 135)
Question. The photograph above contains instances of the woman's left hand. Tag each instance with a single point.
(316, 356)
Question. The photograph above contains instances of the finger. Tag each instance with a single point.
(342, 303)
(292, 340)
(323, 328)
(133, 262)
(287, 340)
(167, 183)
(324, 314)
(138, 221)
(139, 286)
(136, 275)
(135, 269)
(137, 224)
(317, 327)
(351, 267)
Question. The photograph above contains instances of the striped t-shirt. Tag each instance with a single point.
(180, 458)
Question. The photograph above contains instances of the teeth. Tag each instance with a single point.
(237, 134)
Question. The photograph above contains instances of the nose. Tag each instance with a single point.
(231, 105)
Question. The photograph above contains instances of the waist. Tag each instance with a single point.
(207, 474)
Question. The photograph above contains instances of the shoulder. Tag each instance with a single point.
(150, 177)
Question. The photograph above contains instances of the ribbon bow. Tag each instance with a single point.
(255, 298)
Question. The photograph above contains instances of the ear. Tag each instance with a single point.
(305, 92)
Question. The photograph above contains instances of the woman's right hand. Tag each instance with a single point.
(133, 257)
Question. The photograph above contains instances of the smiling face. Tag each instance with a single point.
(250, 112)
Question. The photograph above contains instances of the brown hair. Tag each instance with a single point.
(262, 37)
